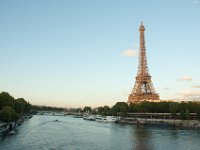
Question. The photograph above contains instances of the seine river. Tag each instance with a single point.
(44, 133)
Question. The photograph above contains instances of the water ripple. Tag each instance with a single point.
(67, 133)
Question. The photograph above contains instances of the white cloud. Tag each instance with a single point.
(130, 53)
(166, 88)
(196, 86)
(185, 78)
(189, 93)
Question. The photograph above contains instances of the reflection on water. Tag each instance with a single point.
(67, 133)
(143, 139)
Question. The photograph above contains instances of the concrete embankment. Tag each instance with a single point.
(195, 124)
(6, 128)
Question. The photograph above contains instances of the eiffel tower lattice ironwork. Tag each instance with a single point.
(143, 88)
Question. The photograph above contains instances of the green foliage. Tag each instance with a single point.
(7, 114)
(49, 108)
(187, 114)
(182, 113)
(198, 113)
(120, 108)
(132, 108)
(100, 110)
(6, 100)
(145, 107)
(197, 110)
(21, 106)
(183, 108)
(87, 109)
(165, 107)
(105, 110)
(10, 107)
(173, 107)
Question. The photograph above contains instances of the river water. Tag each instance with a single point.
(68, 133)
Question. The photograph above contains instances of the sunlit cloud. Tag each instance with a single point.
(196, 86)
(189, 93)
(130, 53)
(185, 78)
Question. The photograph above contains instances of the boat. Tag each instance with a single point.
(111, 119)
(100, 118)
(89, 117)
(107, 118)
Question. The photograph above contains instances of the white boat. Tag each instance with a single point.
(111, 119)
(89, 117)
(100, 118)
(107, 118)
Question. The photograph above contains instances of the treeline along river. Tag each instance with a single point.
(68, 133)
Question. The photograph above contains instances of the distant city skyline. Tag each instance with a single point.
(85, 53)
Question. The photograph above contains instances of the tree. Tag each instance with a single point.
(21, 106)
(100, 110)
(6, 100)
(132, 108)
(120, 107)
(145, 106)
(198, 110)
(173, 107)
(7, 114)
(187, 114)
(182, 114)
(106, 110)
(87, 109)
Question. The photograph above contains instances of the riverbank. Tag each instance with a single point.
(157, 120)
(183, 124)
(9, 127)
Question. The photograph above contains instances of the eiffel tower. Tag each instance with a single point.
(143, 88)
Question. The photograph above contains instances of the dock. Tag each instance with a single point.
(161, 119)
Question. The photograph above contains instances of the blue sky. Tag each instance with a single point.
(69, 53)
